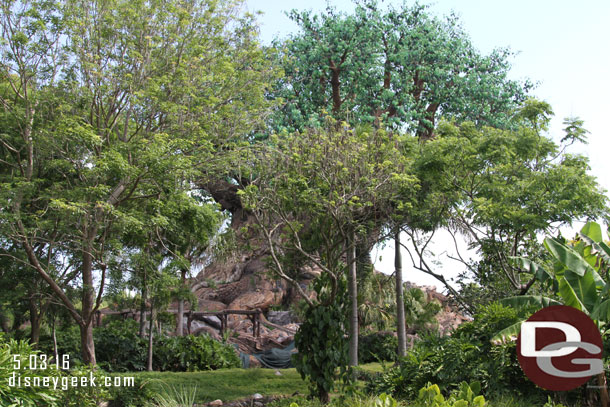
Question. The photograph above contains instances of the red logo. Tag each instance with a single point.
(560, 348)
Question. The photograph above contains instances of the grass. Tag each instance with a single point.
(227, 384)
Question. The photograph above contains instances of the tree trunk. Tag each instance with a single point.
(87, 345)
(149, 355)
(87, 298)
(35, 321)
(180, 314)
(55, 353)
(143, 308)
(400, 305)
(353, 295)
(324, 396)
(603, 389)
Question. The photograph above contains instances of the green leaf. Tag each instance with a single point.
(507, 334)
(585, 288)
(593, 231)
(569, 296)
(567, 256)
(602, 312)
(528, 300)
(537, 270)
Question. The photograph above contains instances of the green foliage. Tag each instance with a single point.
(119, 348)
(378, 346)
(398, 65)
(85, 396)
(175, 397)
(321, 342)
(578, 267)
(193, 353)
(137, 396)
(467, 355)
(516, 184)
(466, 396)
(24, 396)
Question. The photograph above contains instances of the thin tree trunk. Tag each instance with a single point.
(143, 307)
(400, 304)
(603, 389)
(4, 323)
(150, 339)
(180, 314)
(88, 299)
(353, 295)
(35, 321)
(55, 353)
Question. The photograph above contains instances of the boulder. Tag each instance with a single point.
(280, 317)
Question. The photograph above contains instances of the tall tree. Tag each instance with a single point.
(114, 103)
(315, 195)
(514, 185)
(398, 66)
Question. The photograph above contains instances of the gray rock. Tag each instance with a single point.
(257, 396)
(280, 317)
(215, 403)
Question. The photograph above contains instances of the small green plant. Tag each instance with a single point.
(384, 400)
(466, 396)
(175, 397)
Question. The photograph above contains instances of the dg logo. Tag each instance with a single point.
(560, 348)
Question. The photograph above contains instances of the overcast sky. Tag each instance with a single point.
(562, 45)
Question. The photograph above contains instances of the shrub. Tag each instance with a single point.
(377, 347)
(140, 395)
(466, 356)
(86, 396)
(118, 348)
(20, 395)
(193, 353)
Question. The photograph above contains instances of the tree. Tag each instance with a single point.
(315, 196)
(113, 104)
(513, 185)
(399, 66)
(393, 68)
(577, 277)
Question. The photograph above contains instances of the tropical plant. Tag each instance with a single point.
(466, 396)
(578, 267)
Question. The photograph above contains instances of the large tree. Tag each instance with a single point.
(113, 103)
(316, 196)
(513, 185)
(400, 66)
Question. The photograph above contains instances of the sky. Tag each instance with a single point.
(562, 45)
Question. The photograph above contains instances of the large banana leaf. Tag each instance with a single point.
(569, 295)
(567, 256)
(507, 334)
(593, 231)
(584, 287)
(599, 248)
(602, 312)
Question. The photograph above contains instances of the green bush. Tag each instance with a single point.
(11, 394)
(86, 396)
(466, 356)
(193, 353)
(118, 348)
(378, 347)
(140, 395)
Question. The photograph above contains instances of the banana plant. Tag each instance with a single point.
(576, 278)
